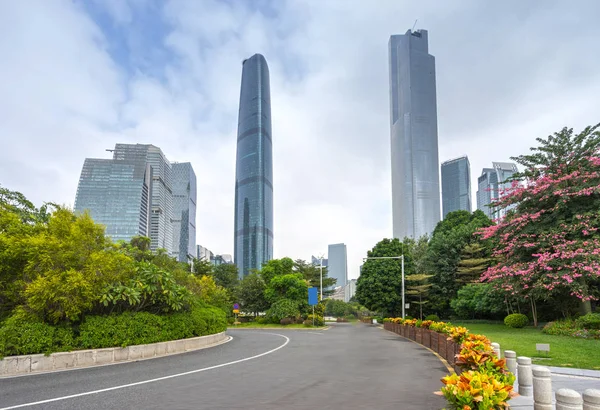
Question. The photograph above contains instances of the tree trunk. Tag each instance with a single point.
(534, 312)
(421, 306)
(585, 307)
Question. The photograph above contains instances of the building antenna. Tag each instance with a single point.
(413, 29)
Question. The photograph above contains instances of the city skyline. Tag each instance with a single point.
(168, 74)
(413, 135)
(253, 211)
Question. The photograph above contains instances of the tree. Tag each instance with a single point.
(202, 267)
(474, 260)
(251, 294)
(312, 274)
(478, 301)
(379, 285)
(449, 238)
(548, 244)
(276, 267)
(226, 275)
(418, 287)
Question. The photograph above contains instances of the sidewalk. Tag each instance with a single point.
(562, 378)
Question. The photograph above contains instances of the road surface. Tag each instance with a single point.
(349, 366)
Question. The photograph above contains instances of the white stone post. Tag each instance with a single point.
(511, 361)
(591, 399)
(497, 351)
(542, 389)
(567, 399)
(525, 376)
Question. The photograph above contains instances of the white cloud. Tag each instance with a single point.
(506, 73)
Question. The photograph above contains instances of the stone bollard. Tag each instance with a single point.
(525, 376)
(497, 351)
(511, 361)
(591, 399)
(542, 389)
(567, 399)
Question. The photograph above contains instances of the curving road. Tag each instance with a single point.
(345, 367)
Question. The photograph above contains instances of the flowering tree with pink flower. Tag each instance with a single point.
(548, 244)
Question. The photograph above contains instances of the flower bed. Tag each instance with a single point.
(481, 381)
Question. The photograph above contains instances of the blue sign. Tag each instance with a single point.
(236, 306)
(313, 296)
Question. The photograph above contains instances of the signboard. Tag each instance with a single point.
(313, 296)
(236, 308)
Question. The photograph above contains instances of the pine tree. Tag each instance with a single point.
(420, 289)
(473, 262)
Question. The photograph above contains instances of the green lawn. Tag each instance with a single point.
(564, 351)
(252, 325)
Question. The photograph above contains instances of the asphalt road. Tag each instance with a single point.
(345, 367)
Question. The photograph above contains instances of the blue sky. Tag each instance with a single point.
(79, 76)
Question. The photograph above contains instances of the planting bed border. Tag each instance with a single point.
(34, 363)
(447, 349)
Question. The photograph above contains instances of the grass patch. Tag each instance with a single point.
(565, 351)
(252, 325)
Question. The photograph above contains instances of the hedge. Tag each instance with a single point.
(20, 336)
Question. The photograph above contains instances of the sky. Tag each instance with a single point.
(78, 76)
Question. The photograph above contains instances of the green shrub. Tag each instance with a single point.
(20, 336)
(308, 323)
(570, 327)
(261, 320)
(434, 318)
(286, 321)
(516, 320)
(133, 328)
(319, 321)
(589, 321)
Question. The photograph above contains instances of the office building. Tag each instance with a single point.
(184, 211)
(489, 186)
(414, 139)
(253, 232)
(318, 261)
(129, 194)
(337, 264)
(204, 253)
(349, 290)
(456, 185)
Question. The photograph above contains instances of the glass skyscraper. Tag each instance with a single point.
(337, 261)
(414, 140)
(253, 236)
(130, 194)
(184, 211)
(489, 185)
(456, 185)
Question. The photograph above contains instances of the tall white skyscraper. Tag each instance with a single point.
(414, 140)
(337, 261)
(489, 186)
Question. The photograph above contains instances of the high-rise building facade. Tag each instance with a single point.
(489, 186)
(117, 194)
(204, 253)
(318, 261)
(130, 194)
(253, 235)
(456, 185)
(184, 211)
(414, 139)
(337, 261)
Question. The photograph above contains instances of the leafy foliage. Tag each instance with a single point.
(251, 294)
(478, 301)
(283, 308)
(516, 320)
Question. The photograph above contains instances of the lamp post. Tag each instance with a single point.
(321, 285)
(401, 257)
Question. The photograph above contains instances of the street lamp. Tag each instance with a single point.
(401, 257)
(321, 266)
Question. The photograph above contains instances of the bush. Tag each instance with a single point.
(261, 320)
(516, 320)
(307, 323)
(318, 320)
(589, 321)
(570, 327)
(20, 336)
(433, 318)
(286, 321)
(478, 301)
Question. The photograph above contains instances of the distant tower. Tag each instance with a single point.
(489, 185)
(184, 212)
(337, 261)
(456, 185)
(254, 170)
(414, 139)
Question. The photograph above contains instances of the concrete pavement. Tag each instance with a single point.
(346, 367)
